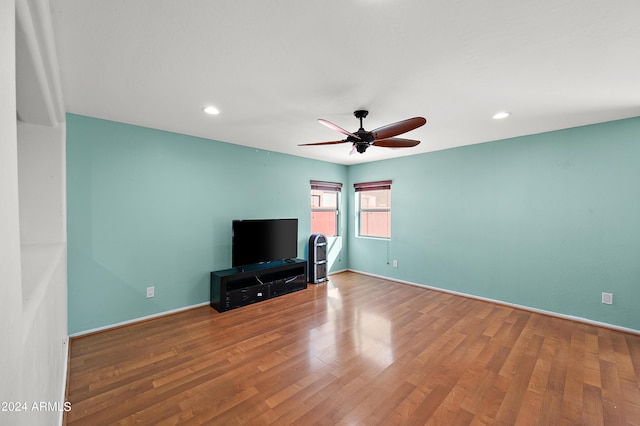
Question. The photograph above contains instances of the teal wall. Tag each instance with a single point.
(548, 221)
(153, 208)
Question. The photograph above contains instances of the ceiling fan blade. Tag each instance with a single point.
(337, 128)
(322, 143)
(395, 143)
(395, 129)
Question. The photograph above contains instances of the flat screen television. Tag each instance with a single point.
(263, 240)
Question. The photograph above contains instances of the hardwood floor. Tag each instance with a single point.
(357, 351)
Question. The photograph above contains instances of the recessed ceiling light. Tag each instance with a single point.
(500, 115)
(211, 110)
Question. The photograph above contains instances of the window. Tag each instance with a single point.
(325, 207)
(373, 201)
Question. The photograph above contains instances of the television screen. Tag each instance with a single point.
(265, 240)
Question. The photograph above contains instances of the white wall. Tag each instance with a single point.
(33, 275)
(10, 275)
(41, 156)
(44, 267)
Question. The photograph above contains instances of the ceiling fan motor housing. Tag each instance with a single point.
(365, 138)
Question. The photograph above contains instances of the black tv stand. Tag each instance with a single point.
(236, 287)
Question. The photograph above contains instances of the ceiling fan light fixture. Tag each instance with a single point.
(500, 115)
(211, 110)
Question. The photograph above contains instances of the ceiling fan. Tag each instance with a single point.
(382, 136)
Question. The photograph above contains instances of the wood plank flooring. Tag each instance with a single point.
(356, 351)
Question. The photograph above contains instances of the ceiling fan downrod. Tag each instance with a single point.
(361, 113)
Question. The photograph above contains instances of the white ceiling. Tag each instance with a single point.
(274, 67)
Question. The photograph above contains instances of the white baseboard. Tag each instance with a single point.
(457, 293)
(159, 314)
(511, 305)
(120, 324)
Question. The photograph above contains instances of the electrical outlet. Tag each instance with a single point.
(607, 298)
(151, 292)
(395, 263)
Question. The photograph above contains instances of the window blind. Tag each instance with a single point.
(326, 186)
(372, 186)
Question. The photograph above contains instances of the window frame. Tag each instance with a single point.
(335, 187)
(365, 187)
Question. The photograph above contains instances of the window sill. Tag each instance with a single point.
(366, 237)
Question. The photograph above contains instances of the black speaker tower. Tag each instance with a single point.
(317, 259)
